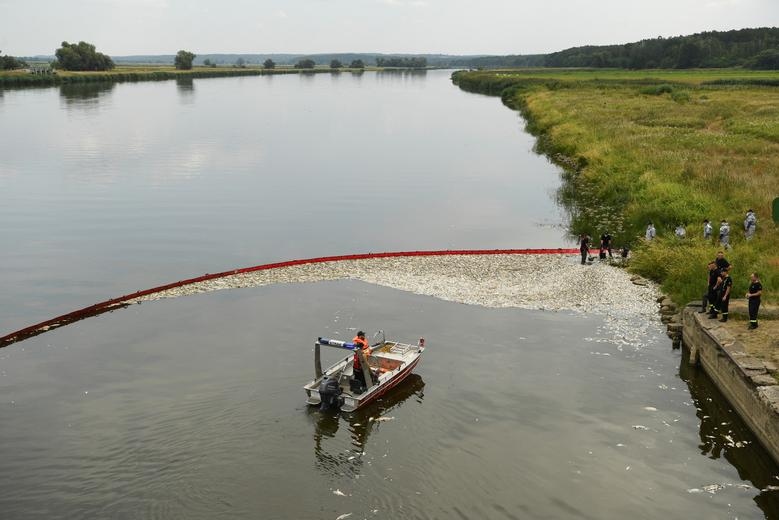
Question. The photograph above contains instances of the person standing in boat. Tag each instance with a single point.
(360, 343)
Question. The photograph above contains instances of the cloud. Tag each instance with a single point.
(281, 14)
(144, 4)
(404, 3)
(722, 3)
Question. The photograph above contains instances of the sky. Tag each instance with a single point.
(128, 27)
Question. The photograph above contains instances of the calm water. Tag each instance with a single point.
(108, 189)
(193, 408)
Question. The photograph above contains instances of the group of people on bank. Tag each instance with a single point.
(605, 247)
(720, 286)
(750, 226)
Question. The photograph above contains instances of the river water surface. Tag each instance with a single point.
(193, 407)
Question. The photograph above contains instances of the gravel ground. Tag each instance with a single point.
(541, 282)
(762, 343)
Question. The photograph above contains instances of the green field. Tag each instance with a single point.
(667, 146)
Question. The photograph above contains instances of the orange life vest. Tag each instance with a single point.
(359, 342)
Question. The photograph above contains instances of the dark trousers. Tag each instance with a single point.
(754, 306)
(584, 256)
(723, 306)
(711, 296)
(360, 376)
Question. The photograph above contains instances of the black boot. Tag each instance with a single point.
(724, 318)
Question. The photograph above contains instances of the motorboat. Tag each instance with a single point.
(336, 387)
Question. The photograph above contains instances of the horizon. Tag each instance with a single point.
(380, 53)
(454, 27)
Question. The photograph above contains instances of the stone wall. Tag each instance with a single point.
(747, 382)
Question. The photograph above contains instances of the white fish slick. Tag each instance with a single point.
(650, 408)
(640, 427)
(381, 419)
(469, 279)
(345, 515)
(711, 488)
(339, 492)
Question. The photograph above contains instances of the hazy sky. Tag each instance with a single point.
(123, 27)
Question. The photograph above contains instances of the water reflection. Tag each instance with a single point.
(586, 213)
(186, 90)
(724, 435)
(85, 95)
(307, 76)
(331, 455)
(401, 76)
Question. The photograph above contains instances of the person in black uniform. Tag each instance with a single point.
(727, 285)
(753, 296)
(716, 291)
(711, 292)
(605, 243)
(721, 261)
(584, 246)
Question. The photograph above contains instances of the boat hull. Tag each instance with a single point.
(382, 389)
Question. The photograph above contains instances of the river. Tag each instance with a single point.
(193, 407)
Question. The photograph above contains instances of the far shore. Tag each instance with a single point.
(140, 72)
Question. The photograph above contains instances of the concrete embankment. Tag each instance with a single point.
(748, 382)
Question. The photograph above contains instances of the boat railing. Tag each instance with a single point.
(401, 349)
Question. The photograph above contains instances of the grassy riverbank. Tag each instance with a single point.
(667, 146)
(147, 73)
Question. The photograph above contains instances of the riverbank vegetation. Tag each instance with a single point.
(82, 56)
(663, 146)
(11, 63)
(752, 48)
(23, 78)
(183, 60)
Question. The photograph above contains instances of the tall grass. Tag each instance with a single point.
(673, 151)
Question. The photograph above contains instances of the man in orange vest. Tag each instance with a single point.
(360, 342)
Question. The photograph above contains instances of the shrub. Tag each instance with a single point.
(657, 90)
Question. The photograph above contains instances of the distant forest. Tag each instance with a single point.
(750, 48)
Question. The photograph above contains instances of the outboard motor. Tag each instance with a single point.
(330, 394)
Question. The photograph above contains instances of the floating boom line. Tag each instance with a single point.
(124, 301)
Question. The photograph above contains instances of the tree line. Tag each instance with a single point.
(403, 62)
(752, 48)
(11, 63)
